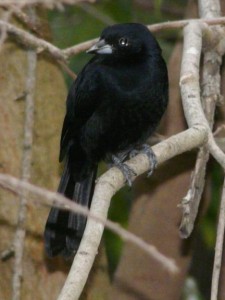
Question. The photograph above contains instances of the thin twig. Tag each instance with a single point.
(31, 41)
(66, 69)
(153, 28)
(74, 50)
(5, 17)
(20, 233)
(219, 248)
(174, 25)
(25, 19)
(41, 45)
(45, 197)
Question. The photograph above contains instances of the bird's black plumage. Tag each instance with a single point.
(113, 106)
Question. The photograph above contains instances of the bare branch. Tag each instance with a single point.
(68, 52)
(40, 45)
(210, 95)
(107, 185)
(180, 24)
(31, 41)
(219, 248)
(190, 203)
(6, 17)
(209, 8)
(190, 90)
(45, 197)
(189, 78)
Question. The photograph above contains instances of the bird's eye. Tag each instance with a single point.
(123, 41)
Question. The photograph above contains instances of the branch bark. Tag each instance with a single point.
(218, 248)
(45, 197)
(191, 89)
(106, 187)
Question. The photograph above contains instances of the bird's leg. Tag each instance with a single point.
(146, 149)
(128, 173)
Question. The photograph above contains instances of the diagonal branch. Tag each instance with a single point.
(30, 40)
(40, 45)
(107, 185)
(45, 197)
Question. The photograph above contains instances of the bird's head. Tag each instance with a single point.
(127, 40)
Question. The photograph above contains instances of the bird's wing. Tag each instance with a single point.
(82, 102)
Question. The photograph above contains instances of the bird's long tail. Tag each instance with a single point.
(64, 229)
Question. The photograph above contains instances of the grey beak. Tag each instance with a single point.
(100, 48)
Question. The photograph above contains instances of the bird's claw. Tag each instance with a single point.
(133, 153)
(151, 156)
(146, 149)
(128, 173)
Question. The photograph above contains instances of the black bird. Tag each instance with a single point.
(113, 106)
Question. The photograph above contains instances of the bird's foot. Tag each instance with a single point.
(146, 149)
(128, 173)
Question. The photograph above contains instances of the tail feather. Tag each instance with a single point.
(64, 230)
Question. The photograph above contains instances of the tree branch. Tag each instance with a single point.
(45, 197)
(107, 185)
(210, 95)
(218, 248)
(180, 24)
(40, 45)
(30, 40)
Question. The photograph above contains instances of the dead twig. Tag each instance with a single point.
(45, 197)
